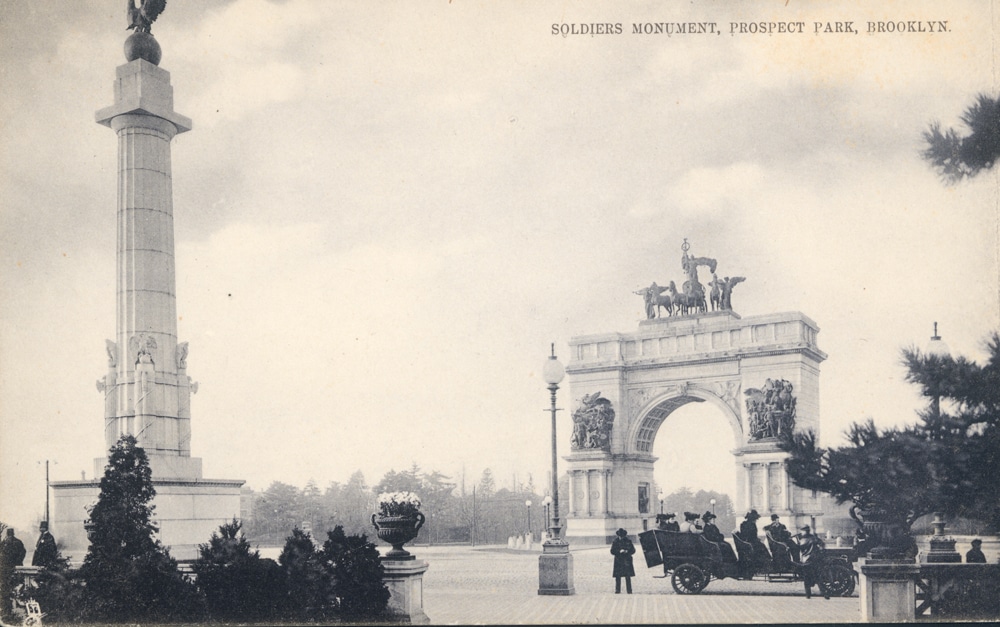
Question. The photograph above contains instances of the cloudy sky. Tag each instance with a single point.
(386, 211)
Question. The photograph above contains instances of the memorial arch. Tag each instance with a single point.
(760, 372)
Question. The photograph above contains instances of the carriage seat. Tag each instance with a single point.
(781, 552)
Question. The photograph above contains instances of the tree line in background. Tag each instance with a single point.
(483, 515)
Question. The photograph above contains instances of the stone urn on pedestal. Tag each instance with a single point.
(398, 521)
(397, 531)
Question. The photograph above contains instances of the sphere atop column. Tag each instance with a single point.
(142, 46)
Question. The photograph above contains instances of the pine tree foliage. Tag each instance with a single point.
(309, 584)
(128, 575)
(357, 573)
(946, 462)
(956, 157)
(237, 583)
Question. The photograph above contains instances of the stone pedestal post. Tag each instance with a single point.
(405, 581)
(888, 591)
(555, 569)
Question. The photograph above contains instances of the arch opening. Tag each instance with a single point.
(691, 449)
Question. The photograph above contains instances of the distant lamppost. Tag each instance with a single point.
(659, 494)
(547, 502)
(555, 564)
(528, 505)
(712, 501)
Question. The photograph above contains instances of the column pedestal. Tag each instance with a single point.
(405, 581)
(555, 569)
(888, 591)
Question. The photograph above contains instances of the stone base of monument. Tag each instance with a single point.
(405, 581)
(187, 511)
(888, 590)
(555, 570)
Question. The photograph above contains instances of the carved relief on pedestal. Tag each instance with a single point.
(592, 423)
(182, 353)
(141, 348)
(112, 349)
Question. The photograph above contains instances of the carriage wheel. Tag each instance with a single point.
(689, 579)
(837, 580)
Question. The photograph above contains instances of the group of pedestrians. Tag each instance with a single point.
(12, 554)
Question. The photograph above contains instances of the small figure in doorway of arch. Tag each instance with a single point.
(623, 549)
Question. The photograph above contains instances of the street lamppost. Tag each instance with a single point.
(712, 501)
(528, 505)
(547, 502)
(937, 348)
(659, 495)
(555, 564)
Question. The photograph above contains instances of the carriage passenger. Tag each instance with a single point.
(691, 523)
(780, 533)
(760, 555)
(712, 534)
(667, 522)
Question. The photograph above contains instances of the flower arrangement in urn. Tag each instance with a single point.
(398, 521)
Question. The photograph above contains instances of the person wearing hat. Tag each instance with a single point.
(780, 533)
(712, 534)
(811, 550)
(12, 554)
(623, 549)
(760, 555)
(691, 523)
(46, 552)
(975, 554)
(667, 522)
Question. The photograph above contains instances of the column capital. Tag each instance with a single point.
(144, 89)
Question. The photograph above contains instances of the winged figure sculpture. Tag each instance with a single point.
(142, 17)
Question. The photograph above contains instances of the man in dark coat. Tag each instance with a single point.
(12, 554)
(623, 549)
(780, 533)
(759, 553)
(46, 552)
(811, 549)
(975, 554)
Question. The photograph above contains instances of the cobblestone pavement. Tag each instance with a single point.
(493, 585)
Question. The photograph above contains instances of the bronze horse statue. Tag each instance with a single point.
(654, 298)
(681, 301)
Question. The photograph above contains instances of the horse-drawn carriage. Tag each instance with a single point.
(692, 562)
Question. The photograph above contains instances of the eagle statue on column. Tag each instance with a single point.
(142, 17)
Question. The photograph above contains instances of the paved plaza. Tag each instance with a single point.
(493, 585)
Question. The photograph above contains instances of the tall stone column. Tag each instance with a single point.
(147, 386)
(147, 392)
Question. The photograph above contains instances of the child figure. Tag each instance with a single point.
(623, 549)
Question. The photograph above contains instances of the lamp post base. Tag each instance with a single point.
(555, 569)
